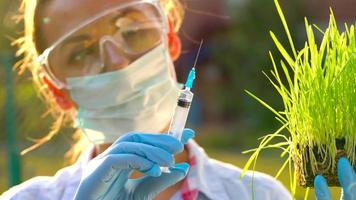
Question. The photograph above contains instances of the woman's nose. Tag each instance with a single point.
(113, 57)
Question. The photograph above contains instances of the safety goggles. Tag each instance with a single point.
(131, 29)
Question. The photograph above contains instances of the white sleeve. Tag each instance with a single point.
(31, 189)
(61, 186)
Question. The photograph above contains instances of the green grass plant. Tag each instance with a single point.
(317, 85)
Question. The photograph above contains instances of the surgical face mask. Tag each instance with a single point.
(140, 97)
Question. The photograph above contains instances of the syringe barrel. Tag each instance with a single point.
(181, 114)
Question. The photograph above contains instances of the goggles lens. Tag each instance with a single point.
(132, 30)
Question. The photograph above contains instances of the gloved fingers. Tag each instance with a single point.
(148, 187)
(152, 153)
(347, 178)
(187, 134)
(132, 161)
(99, 183)
(159, 140)
(321, 188)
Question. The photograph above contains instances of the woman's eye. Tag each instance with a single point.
(129, 33)
(79, 56)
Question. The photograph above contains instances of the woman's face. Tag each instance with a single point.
(56, 18)
(98, 44)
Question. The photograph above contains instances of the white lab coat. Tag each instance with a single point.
(213, 179)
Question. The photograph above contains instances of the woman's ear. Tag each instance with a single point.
(60, 97)
(174, 43)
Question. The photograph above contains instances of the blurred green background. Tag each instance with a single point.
(234, 55)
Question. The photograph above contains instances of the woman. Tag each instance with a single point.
(108, 67)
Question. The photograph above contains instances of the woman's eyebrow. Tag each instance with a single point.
(74, 39)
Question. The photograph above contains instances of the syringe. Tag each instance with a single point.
(182, 109)
(185, 99)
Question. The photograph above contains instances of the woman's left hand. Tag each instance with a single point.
(347, 179)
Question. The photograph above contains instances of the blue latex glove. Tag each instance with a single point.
(107, 175)
(347, 179)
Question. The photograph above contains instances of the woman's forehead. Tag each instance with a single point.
(59, 17)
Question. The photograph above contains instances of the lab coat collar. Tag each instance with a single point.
(86, 156)
(204, 176)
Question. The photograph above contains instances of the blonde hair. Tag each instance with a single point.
(28, 49)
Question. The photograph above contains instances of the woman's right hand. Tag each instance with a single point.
(107, 175)
(347, 179)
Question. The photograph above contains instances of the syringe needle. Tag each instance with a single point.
(196, 58)
(180, 115)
